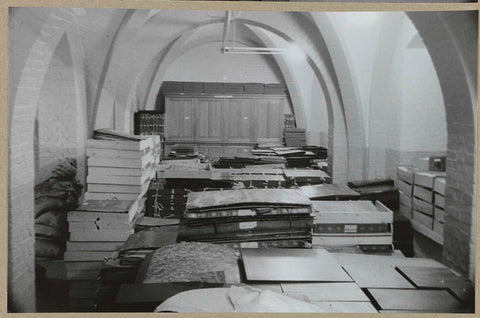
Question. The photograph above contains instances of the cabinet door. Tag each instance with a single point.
(238, 120)
(208, 119)
(179, 113)
(268, 119)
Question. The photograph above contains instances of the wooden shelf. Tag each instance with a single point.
(427, 232)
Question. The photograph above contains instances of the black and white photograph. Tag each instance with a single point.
(221, 160)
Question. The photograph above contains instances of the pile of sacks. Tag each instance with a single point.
(54, 197)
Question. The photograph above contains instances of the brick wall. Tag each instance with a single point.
(56, 120)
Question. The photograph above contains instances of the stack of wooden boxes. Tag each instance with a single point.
(439, 205)
(97, 229)
(423, 200)
(404, 184)
(121, 169)
(118, 175)
(295, 137)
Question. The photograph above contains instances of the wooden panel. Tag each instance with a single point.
(179, 119)
(276, 265)
(439, 200)
(239, 120)
(422, 206)
(405, 199)
(423, 219)
(209, 119)
(268, 114)
(432, 277)
(404, 187)
(376, 276)
(423, 193)
(418, 300)
(326, 291)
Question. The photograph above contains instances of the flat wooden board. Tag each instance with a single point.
(405, 174)
(416, 300)
(376, 276)
(423, 206)
(430, 277)
(326, 291)
(423, 193)
(328, 190)
(93, 246)
(440, 185)
(404, 187)
(106, 205)
(106, 235)
(379, 271)
(305, 173)
(348, 306)
(275, 287)
(291, 265)
(351, 239)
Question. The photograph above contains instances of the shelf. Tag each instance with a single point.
(427, 232)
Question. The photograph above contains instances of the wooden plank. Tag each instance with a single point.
(405, 199)
(383, 261)
(112, 180)
(422, 206)
(423, 193)
(439, 215)
(440, 185)
(114, 153)
(348, 306)
(114, 144)
(96, 187)
(110, 196)
(427, 179)
(108, 217)
(117, 163)
(423, 219)
(321, 292)
(439, 200)
(104, 236)
(433, 277)
(405, 174)
(115, 171)
(351, 240)
(404, 187)
(376, 276)
(97, 226)
(78, 256)
(275, 287)
(417, 300)
(263, 264)
(93, 246)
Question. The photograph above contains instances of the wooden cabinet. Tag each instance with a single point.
(179, 119)
(238, 120)
(268, 125)
(208, 119)
(224, 126)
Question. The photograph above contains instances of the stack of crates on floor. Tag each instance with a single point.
(121, 169)
(439, 205)
(404, 184)
(97, 229)
(423, 197)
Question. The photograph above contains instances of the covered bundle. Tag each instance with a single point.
(248, 218)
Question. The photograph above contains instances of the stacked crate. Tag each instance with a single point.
(404, 184)
(121, 169)
(295, 137)
(97, 229)
(439, 205)
(423, 197)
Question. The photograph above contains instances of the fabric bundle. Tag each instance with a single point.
(53, 198)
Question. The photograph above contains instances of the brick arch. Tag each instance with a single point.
(450, 38)
(338, 148)
(23, 107)
(177, 49)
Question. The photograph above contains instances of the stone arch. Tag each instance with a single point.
(23, 107)
(450, 38)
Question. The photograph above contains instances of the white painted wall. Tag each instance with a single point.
(206, 63)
